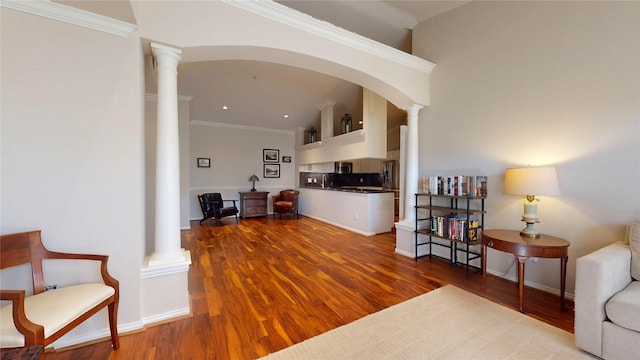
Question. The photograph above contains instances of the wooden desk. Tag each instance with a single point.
(524, 247)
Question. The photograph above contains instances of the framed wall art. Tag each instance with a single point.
(286, 159)
(271, 171)
(204, 162)
(271, 155)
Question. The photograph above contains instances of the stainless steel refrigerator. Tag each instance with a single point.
(390, 174)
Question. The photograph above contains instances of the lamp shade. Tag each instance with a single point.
(254, 178)
(531, 181)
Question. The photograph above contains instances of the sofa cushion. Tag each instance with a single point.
(623, 309)
(619, 343)
(634, 244)
(53, 309)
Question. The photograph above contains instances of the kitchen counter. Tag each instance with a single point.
(363, 209)
(354, 189)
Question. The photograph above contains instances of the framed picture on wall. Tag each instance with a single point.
(271, 170)
(204, 162)
(286, 159)
(271, 155)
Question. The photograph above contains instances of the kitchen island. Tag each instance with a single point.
(365, 210)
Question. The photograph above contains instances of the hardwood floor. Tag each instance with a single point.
(265, 284)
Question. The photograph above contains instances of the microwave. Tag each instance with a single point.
(342, 167)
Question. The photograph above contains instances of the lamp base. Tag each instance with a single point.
(530, 231)
(252, 190)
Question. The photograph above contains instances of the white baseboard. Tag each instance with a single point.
(404, 253)
(340, 225)
(532, 284)
(167, 316)
(102, 334)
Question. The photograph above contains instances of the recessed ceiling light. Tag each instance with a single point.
(224, 107)
(286, 116)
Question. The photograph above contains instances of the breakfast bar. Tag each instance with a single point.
(364, 210)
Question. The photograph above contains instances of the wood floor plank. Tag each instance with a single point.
(265, 284)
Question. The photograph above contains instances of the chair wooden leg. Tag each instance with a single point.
(113, 325)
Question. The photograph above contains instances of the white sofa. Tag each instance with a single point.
(607, 299)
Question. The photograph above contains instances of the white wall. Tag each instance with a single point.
(72, 147)
(236, 154)
(539, 83)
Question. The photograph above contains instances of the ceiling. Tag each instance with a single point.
(260, 94)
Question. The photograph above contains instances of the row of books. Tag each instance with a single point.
(474, 186)
(454, 227)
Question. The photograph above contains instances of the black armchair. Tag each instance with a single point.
(212, 206)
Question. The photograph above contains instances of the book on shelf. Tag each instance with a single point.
(463, 186)
(456, 227)
(460, 185)
(472, 185)
(481, 186)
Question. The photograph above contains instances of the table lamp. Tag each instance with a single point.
(530, 182)
(254, 178)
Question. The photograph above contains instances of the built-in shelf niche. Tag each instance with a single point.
(354, 144)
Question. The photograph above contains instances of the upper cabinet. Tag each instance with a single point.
(368, 142)
(367, 165)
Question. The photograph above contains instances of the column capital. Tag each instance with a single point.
(413, 109)
(160, 48)
(166, 55)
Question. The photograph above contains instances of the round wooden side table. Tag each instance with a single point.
(523, 247)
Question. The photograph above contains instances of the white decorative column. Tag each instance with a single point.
(406, 226)
(403, 173)
(165, 274)
(412, 181)
(167, 248)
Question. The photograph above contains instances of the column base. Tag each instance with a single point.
(405, 238)
(162, 260)
(169, 282)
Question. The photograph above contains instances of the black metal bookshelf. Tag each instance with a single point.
(457, 221)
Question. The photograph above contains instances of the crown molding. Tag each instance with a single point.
(241, 127)
(71, 15)
(307, 23)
